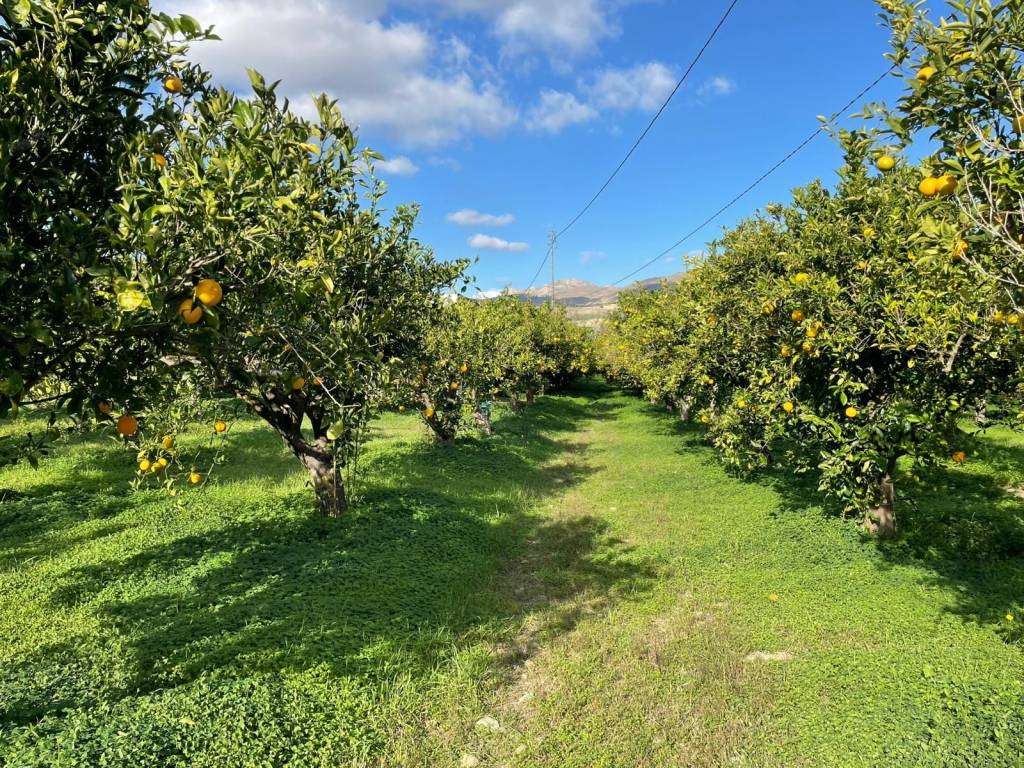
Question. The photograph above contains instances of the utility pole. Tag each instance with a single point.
(552, 245)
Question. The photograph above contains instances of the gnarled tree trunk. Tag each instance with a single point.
(325, 477)
(483, 422)
(880, 519)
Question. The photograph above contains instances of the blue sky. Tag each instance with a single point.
(513, 112)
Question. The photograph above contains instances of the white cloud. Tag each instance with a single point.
(716, 86)
(558, 109)
(397, 166)
(467, 217)
(645, 87)
(586, 257)
(488, 243)
(565, 29)
(392, 76)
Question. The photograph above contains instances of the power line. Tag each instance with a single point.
(757, 182)
(629, 154)
(650, 125)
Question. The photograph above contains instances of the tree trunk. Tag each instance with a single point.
(327, 483)
(483, 422)
(981, 413)
(684, 409)
(513, 403)
(881, 519)
(531, 397)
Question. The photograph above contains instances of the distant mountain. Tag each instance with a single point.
(581, 293)
(588, 303)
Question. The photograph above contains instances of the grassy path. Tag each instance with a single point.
(587, 588)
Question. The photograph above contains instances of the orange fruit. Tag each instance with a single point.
(220, 426)
(960, 250)
(144, 465)
(167, 442)
(862, 265)
(127, 425)
(924, 74)
(801, 277)
(768, 308)
(105, 408)
(798, 315)
(807, 347)
(173, 84)
(1013, 319)
(946, 185)
(851, 412)
(160, 160)
(162, 462)
(959, 457)
(928, 187)
(195, 478)
(429, 413)
(401, 409)
(787, 351)
(298, 383)
(209, 292)
(885, 163)
(788, 407)
(463, 368)
(454, 386)
(190, 313)
(870, 232)
(741, 403)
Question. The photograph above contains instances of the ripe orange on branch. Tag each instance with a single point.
(929, 187)
(220, 426)
(885, 163)
(105, 408)
(189, 312)
(209, 292)
(127, 425)
(173, 85)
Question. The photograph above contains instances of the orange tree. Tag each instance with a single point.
(81, 83)
(566, 348)
(965, 92)
(824, 334)
(257, 259)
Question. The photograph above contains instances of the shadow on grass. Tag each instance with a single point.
(963, 524)
(416, 572)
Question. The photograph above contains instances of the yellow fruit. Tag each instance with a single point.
(144, 465)
(429, 413)
(709, 381)
(946, 185)
(773, 598)
(851, 412)
(704, 419)
(318, 382)
(929, 187)
(1013, 319)
(862, 265)
(298, 383)
(463, 368)
(160, 160)
(768, 308)
(155, 468)
(787, 351)
(924, 74)
(195, 478)
(220, 426)
(798, 315)
(998, 317)
(801, 278)
(870, 232)
(807, 347)
(105, 408)
(173, 84)
(959, 457)
(788, 407)
(962, 57)
(885, 163)
(127, 425)
(741, 403)
(209, 292)
(162, 462)
(960, 249)
(401, 409)
(189, 312)
(167, 442)
(453, 386)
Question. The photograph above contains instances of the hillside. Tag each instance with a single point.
(589, 303)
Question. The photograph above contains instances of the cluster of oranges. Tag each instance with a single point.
(208, 293)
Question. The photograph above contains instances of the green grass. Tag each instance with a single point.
(590, 577)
